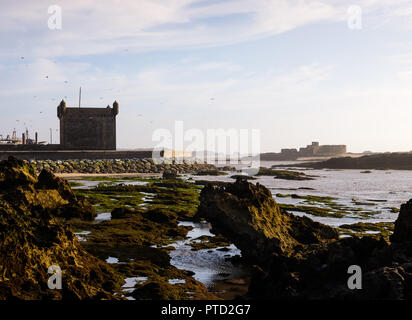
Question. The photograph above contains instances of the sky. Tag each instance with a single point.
(337, 72)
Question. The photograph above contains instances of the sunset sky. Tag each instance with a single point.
(293, 69)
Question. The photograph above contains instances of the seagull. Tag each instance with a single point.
(47, 77)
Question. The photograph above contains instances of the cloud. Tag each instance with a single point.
(209, 90)
(112, 26)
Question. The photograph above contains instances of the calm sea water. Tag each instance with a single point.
(380, 190)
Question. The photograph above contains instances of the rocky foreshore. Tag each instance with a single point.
(45, 224)
(297, 258)
(34, 236)
(120, 166)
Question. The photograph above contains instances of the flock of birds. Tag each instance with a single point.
(101, 98)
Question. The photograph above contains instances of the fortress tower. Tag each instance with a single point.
(87, 128)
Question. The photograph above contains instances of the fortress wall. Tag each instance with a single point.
(330, 150)
(72, 154)
(88, 128)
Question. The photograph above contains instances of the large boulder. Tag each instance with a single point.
(15, 172)
(20, 187)
(297, 258)
(249, 216)
(403, 225)
(34, 237)
(48, 180)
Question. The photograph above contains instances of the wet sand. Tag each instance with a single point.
(133, 174)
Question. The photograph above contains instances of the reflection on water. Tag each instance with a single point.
(177, 281)
(208, 265)
(112, 260)
(104, 216)
(80, 234)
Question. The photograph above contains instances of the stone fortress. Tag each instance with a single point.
(88, 128)
(85, 133)
(310, 151)
(316, 150)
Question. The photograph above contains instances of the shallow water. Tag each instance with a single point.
(383, 189)
(112, 260)
(104, 216)
(80, 234)
(208, 265)
(86, 184)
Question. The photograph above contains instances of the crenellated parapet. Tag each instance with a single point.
(61, 109)
(115, 108)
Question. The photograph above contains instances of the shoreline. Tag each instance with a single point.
(126, 174)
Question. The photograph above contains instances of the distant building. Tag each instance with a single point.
(311, 150)
(87, 128)
(24, 140)
(315, 149)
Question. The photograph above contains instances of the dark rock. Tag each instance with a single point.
(155, 291)
(169, 174)
(242, 177)
(33, 237)
(158, 215)
(15, 172)
(48, 180)
(247, 214)
(296, 258)
(403, 225)
(79, 209)
(123, 212)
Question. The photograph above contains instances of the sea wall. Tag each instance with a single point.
(119, 166)
(54, 152)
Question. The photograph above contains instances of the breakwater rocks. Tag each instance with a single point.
(382, 161)
(120, 166)
(34, 237)
(299, 259)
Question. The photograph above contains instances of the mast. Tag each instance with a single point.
(80, 95)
